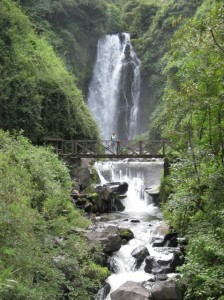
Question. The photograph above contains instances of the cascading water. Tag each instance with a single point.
(115, 87)
(138, 206)
(113, 98)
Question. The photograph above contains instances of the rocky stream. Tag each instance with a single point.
(139, 250)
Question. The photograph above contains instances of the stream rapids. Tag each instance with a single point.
(141, 216)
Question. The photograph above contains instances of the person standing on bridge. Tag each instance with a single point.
(113, 139)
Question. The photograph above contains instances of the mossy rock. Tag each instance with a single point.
(94, 176)
(126, 233)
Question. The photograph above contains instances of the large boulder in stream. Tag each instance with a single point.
(131, 291)
(109, 196)
(140, 253)
(150, 264)
(109, 238)
(169, 240)
(126, 234)
(163, 290)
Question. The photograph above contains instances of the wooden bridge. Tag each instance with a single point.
(105, 149)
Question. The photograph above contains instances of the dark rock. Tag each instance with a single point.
(135, 221)
(161, 277)
(154, 193)
(158, 270)
(153, 279)
(121, 37)
(169, 240)
(109, 197)
(122, 197)
(127, 51)
(163, 290)
(131, 291)
(140, 253)
(102, 294)
(124, 242)
(75, 194)
(109, 238)
(177, 260)
(117, 187)
(126, 233)
(158, 243)
(173, 242)
(137, 264)
(134, 35)
(80, 201)
(148, 284)
(161, 270)
(164, 262)
(112, 265)
(150, 264)
(122, 188)
(88, 207)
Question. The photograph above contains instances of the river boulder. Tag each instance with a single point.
(132, 291)
(165, 290)
(108, 237)
(169, 240)
(116, 187)
(177, 260)
(150, 264)
(140, 252)
(126, 234)
(109, 196)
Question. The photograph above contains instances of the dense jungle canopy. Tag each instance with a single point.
(47, 52)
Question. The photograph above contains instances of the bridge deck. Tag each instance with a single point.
(105, 149)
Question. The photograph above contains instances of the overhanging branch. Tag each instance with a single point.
(215, 41)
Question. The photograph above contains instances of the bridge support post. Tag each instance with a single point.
(166, 167)
(163, 148)
(73, 148)
(118, 147)
(140, 147)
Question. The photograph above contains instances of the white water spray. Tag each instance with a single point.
(138, 205)
(113, 102)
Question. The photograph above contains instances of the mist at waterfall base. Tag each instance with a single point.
(114, 90)
(138, 206)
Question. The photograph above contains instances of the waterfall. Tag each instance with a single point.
(114, 89)
(113, 98)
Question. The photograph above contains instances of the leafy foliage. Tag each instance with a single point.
(191, 117)
(73, 28)
(38, 94)
(153, 23)
(40, 251)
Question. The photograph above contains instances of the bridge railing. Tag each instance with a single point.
(104, 148)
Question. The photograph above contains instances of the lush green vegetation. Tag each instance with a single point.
(152, 23)
(38, 94)
(47, 53)
(73, 28)
(42, 256)
(191, 116)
